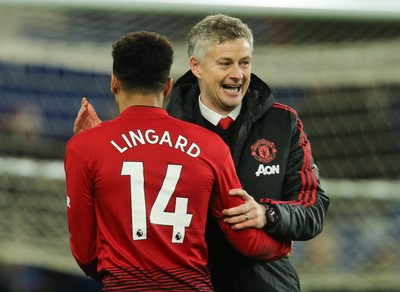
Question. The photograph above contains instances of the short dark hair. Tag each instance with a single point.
(142, 61)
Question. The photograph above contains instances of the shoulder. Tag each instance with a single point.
(280, 117)
(196, 129)
(284, 107)
(285, 112)
(88, 136)
(204, 137)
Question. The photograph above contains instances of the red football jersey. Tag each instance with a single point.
(138, 191)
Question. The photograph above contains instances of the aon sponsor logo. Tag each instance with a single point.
(267, 170)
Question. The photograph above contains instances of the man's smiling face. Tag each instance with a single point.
(224, 75)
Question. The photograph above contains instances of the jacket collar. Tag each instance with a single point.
(214, 117)
(185, 92)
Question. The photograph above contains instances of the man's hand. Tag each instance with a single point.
(249, 214)
(87, 117)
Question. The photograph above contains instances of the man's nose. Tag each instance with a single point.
(236, 72)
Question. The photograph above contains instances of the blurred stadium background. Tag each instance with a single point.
(337, 63)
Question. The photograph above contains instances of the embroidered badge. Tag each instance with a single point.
(263, 151)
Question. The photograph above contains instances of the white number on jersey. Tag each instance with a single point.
(179, 219)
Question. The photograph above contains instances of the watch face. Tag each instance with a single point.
(272, 215)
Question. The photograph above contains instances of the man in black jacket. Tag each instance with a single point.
(271, 152)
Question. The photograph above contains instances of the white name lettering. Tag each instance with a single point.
(150, 136)
(267, 170)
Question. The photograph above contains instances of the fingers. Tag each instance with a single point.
(83, 108)
(249, 203)
(234, 211)
(240, 192)
(82, 116)
(242, 221)
(92, 113)
(240, 218)
(84, 104)
(249, 214)
(87, 117)
(84, 100)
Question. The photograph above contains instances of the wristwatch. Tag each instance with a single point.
(272, 215)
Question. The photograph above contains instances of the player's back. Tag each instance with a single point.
(152, 178)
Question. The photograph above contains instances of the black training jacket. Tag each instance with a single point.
(273, 160)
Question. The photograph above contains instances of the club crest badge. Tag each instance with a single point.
(264, 151)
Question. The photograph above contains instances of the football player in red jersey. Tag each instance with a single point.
(139, 186)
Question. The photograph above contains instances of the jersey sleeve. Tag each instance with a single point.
(251, 242)
(81, 213)
(305, 204)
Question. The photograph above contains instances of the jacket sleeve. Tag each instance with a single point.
(251, 242)
(304, 206)
(81, 216)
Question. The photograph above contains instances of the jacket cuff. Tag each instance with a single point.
(273, 217)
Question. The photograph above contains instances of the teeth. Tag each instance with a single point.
(231, 88)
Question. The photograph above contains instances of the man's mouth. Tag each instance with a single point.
(232, 88)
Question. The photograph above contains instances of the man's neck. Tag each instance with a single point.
(124, 101)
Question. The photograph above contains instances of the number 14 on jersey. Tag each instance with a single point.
(179, 219)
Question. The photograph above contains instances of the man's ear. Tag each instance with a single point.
(168, 86)
(114, 84)
(195, 67)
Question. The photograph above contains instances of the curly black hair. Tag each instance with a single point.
(142, 61)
